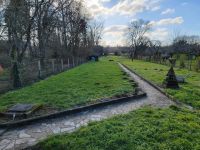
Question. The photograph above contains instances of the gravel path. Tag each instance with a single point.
(20, 138)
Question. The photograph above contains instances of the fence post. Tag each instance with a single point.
(62, 67)
(53, 65)
(68, 63)
(39, 68)
(73, 62)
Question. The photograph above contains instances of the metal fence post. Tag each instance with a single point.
(68, 63)
(62, 67)
(73, 62)
(53, 65)
(39, 68)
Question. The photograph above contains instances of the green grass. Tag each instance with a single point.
(189, 92)
(144, 129)
(79, 86)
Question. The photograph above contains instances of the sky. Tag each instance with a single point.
(166, 16)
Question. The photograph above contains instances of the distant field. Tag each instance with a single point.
(144, 129)
(81, 85)
(189, 92)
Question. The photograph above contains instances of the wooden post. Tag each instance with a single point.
(68, 63)
(39, 68)
(53, 65)
(73, 62)
(62, 67)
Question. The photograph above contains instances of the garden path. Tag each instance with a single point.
(29, 135)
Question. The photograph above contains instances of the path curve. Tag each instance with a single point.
(25, 136)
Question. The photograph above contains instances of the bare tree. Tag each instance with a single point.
(34, 27)
(155, 46)
(95, 32)
(136, 34)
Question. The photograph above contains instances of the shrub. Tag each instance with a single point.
(197, 64)
(183, 58)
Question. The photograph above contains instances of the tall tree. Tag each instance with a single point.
(136, 34)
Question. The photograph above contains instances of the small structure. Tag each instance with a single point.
(171, 79)
(93, 58)
(21, 110)
(180, 79)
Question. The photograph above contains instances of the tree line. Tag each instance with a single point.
(39, 29)
(142, 46)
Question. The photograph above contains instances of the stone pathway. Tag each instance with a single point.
(20, 138)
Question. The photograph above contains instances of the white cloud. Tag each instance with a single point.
(96, 7)
(161, 34)
(114, 35)
(168, 11)
(123, 7)
(115, 30)
(168, 21)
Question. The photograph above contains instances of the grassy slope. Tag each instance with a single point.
(145, 129)
(78, 86)
(189, 92)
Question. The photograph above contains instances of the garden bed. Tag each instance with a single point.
(48, 112)
(87, 85)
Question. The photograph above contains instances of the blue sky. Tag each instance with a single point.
(166, 16)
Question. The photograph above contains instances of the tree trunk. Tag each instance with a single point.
(15, 75)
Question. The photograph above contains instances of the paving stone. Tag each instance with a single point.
(38, 131)
(22, 134)
(4, 143)
(67, 129)
(10, 146)
(25, 140)
(56, 130)
(68, 123)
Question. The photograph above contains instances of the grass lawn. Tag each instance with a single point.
(189, 92)
(81, 85)
(144, 129)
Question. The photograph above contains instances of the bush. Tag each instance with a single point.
(197, 64)
(183, 58)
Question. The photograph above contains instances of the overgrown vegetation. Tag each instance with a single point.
(84, 84)
(143, 129)
(188, 92)
(182, 60)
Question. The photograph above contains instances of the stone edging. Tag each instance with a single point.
(154, 85)
(72, 111)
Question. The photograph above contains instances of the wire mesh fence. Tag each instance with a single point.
(36, 70)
